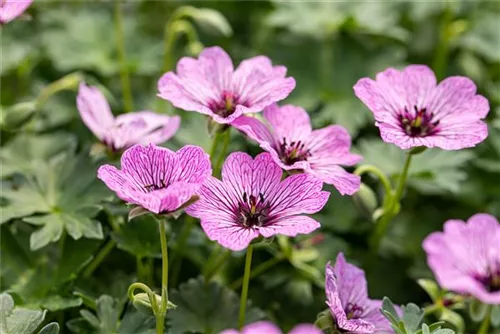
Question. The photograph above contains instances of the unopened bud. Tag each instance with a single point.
(16, 116)
(365, 200)
(142, 303)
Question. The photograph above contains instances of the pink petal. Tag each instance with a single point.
(331, 145)
(305, 329)
(344, 182)
(229, 234)
(261, 327)
(298, 194)
(289, 122)
(94, 110)
(253, 128)
(351, 282)
(115, 180)
(193, 165)
(10, 9)
(290, 226)
(217, 67)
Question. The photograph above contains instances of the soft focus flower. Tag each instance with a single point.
(211, 86)
(295, 146)
(157, 179)
(266, 327)
(411, 110)
(465, 258)
(10, 9)
(142, 127)
(251, 200)
(347, 297)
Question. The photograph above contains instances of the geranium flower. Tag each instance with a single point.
(347, 297)
(266, 327)
(157, 179)
(412, 110)
(126, 130)
(295, 146)
(251, 200)
(211, 86)
(465, 258)
(10, 9)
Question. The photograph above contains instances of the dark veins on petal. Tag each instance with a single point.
(226, 105)
(353, 311)
(253, 211)
(292, 152)
(418, 123)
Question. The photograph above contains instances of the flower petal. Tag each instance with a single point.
(193, 165)
(94, 110)
(290, 226)
(344, 182)
(331, 145)
(289, 122)
(305, 329)
(351, 282)
(253, 128)
(115, 180)
(10, 9)
(229, 234)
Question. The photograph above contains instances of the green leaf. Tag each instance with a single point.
(430, 287)
(52, 328)
(454, 319)
(15, 117)
(211, 20)
(14, 320)
(205, 307)
(477, 310)
(66, 194)
(412, 317)
(389, 311)
(495, 316)
(139, 237)
(483, 38)
(434, 171)
(346, 112)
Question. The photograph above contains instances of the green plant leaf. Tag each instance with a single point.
(15, 320)
(66, 194)
(495, 316)
(202, 307)
(483, 38)
(52, 328)
(211, 20)
(477, 310)
(139, 237)
(454, 319)
(412, 317)
(430, 287)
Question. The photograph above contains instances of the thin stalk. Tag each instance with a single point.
(222, 154)
(378, 173)
(244, 289)
(120, 44)
(160, 317)
(179, 250)
(485, 325)
(99, 258)
(217, 265)
(383, 223)
(261, 268)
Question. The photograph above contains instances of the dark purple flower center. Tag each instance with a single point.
(151, 187)
(353, 311)
(226, 105)
(292, 152)
(418, 123)
(253, 211)
(491, 281)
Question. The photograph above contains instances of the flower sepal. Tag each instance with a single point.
(366, 200)
(324, 321)
(137, 211)
(142, 303)
(417, 150)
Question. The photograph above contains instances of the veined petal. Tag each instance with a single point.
(351, 282)
(346, 183)
(193, 165)
(290, 226)
(94, 110)
(289, 122)
(229, 234)
(331, 146)
(254, 129)
(305, 329)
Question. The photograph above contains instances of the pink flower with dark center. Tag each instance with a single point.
(10, 9)
(251, 200)
(266, 327)
(211, 86)
(412, 110)
(347, 297)
(126, 130)
(157, 179)
(465, 258)
(293, 144)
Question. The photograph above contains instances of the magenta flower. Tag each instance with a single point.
(251, 200)
(10, 9)
(347, 297)
(295, 146)
(412, 110)
(157, 179)
(266, 327)
(211, 86)
(126, 130)
(465, 258)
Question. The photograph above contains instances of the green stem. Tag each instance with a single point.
(217, 265)
(164, 267)
(259, 270)
(120, 43)
(222, 154)
(147, 290)
(179, 250)
(99, 258)
(383, 223)
(244, 289)
(485, 325)
(377, 172)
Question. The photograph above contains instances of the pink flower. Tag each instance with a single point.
(411, 110)
(295, 146)
(211, 86)
(142, 127)
(251, 200)
(266, 327)
(10, 9)
(156, 178)
(347, 297)
(465, 258)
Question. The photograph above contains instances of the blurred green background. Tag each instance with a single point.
(327, 47)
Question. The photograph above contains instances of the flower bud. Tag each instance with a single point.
(324, 320)
(142, 303)
(365, 200)
(15, 117)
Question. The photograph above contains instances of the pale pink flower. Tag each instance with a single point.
(294, 146)
(266, 327)
(211, 86)
(465, 258)
(10, 9)
(251, 200)
(125, 130)
(347, 297)
(157, 179)
(412, 110)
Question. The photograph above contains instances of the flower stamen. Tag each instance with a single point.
(353, 311)
(253, 211)
(419, 123)
(293, 152)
